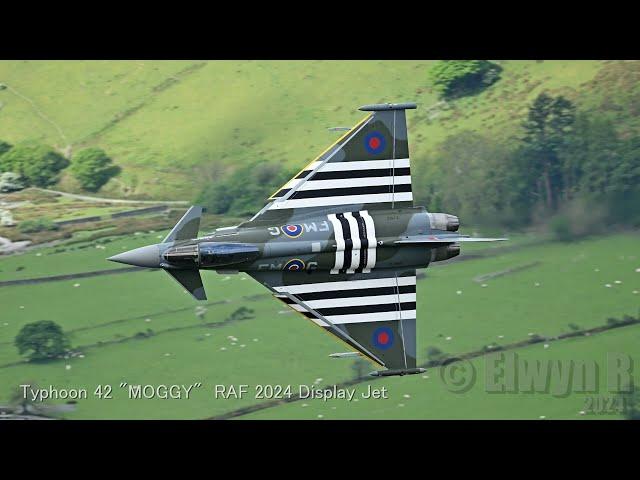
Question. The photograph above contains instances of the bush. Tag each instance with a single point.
(576, 219)
(457, 78)
(42, 339)
(631, 399)
(93, 168)
(4, 147)
(492, 348)
(242, 313)
(38, 164)
(38, 225)
(434, 353)
(561, 228)
(360, 367)
(10, 182)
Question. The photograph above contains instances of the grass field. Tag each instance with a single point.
(428, 396)
(175, 126)
(180, 120)
(283, 348)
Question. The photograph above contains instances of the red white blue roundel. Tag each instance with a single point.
(383, 337)
(375, 142)
(292, 231)
(294, 265)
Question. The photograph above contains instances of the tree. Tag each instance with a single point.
(92, 167)
(38, 164)
(456, 78)
(41, 340)
(590, 155)
(549, 122)
(602, 167)
(245, 191)
(478, 179)
(4, 147)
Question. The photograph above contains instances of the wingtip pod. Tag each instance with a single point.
(391, 373)
(346, 355)
(377, 107)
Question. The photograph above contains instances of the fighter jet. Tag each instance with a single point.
(339, 243)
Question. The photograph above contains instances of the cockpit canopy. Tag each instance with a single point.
(214, 254)
(211, 254)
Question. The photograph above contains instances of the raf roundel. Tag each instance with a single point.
(294, 265)
(292, 231)
(383, 338)
(375, 143)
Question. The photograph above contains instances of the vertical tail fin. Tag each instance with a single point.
(188, 226)
(368, 167)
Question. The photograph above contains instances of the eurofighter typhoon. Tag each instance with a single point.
(339, 243)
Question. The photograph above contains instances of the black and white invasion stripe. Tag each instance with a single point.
(343, 183)
(354, 301)
(299, 308)
(356, 242)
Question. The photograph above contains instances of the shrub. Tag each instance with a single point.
(457, 78)
(434, 353)
(10, 181)
(4, 147)
(38, 225)
(561, 228)
(535, 338)
(578, 218)
(242, 313)
(631, 399)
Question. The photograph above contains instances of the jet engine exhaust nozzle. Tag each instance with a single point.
(445, 253)
(444, 221)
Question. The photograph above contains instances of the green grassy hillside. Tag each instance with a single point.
(104, 314)
(174, 126)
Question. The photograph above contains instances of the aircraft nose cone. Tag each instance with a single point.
(148, 256)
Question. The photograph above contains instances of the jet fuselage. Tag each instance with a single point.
(327, 242)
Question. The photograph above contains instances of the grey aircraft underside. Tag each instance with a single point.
(339, 243)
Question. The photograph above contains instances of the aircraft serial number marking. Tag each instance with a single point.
(307, 227)
(282, 265)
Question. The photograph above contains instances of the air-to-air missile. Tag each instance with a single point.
(339, 243)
